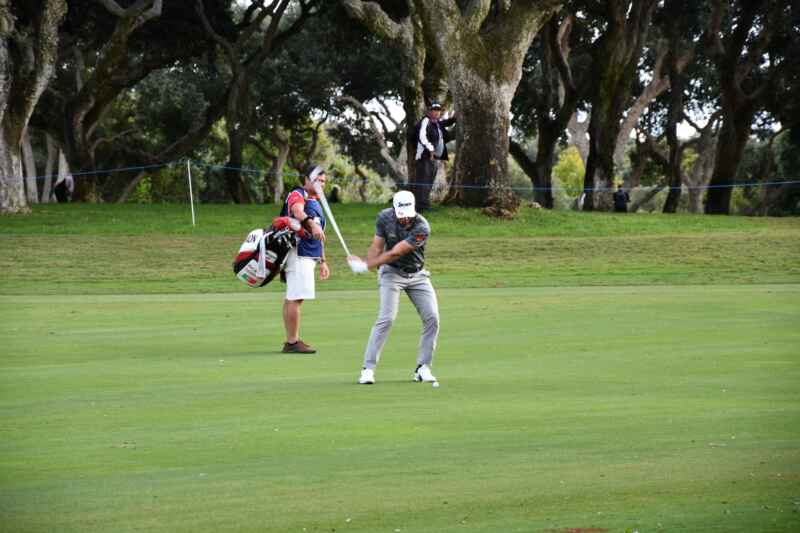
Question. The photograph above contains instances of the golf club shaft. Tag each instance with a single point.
(329, 214)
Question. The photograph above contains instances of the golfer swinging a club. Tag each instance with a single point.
(398, 251)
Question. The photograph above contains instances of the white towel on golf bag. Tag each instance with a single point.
(256, 271)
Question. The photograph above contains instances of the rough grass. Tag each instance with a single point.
(137, 249)
(619, 409)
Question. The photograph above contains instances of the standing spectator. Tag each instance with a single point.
(621, 199)
(64, 188)
(303, 205)
(432, 136)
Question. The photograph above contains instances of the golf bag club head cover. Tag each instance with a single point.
(263, 254)
(279, 223)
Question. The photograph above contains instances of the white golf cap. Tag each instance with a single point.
(403, 203)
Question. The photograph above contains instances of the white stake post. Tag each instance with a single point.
(191, 196)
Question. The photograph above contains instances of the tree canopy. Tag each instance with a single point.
(693, 97)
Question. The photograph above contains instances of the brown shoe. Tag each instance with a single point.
(298, 347)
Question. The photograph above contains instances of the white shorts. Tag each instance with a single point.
(299, 276)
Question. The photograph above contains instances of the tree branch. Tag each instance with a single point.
(259, 145)
(371, 15)
(561, 47)
(649, 147)
(112, 7)
(377, 116)
(219, 39)
(711, 120)
(757, 51)
(255, 25)
(712, 33)
(112, 138)
(508, 31)
(475, 13)
(658, 84)
(247, 18)
(137, 10)
(394, 165)
(387, 112)
(273, 38)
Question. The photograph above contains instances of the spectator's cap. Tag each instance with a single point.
(435, 106)
(314, 172)
(403, 203)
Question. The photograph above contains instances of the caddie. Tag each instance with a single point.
(398, 251)
(303, 205)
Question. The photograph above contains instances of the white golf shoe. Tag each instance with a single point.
(423, 373)
(367, 377)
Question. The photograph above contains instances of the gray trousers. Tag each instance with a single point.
(420, 291)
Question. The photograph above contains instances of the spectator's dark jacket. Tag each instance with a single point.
(621, 199)
(432, 134)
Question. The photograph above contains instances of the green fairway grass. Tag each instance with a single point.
(648, 408)
(598, 373)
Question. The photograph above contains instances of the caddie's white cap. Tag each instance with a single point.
(403, 203)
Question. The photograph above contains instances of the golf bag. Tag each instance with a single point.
(263, 253)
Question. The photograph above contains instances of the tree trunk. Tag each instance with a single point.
(12, 187)
(276, 171)
(737, 115)
(545, 160)
(235, 185)
(110, 76)
(31, 187)
(413, 55)
(556, 103)
(615, 62)
(730, 149)
(599, 178)
(483, 64)
(52, 156)
(129, 188)
(273, 181)
(738, 51)
(699, 175)
(481, 166)
(770, 197)
(675, 187)
(675, 178)
(579, 136)
(244, 60)
(63, 168)
(646, 197)
(362, 184)
(540, 170)
(21, 84)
